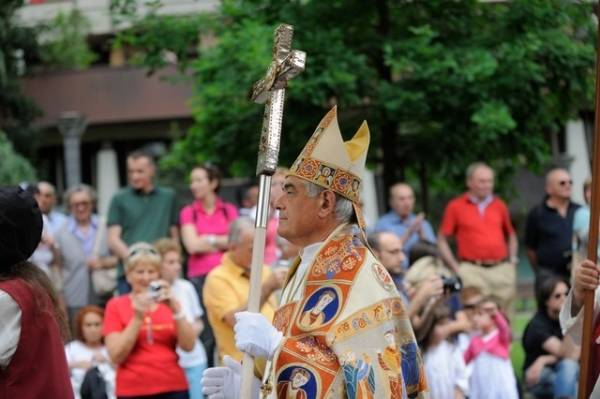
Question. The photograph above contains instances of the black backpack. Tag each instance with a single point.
(93, 385)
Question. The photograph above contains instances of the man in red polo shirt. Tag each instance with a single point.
(485, 238)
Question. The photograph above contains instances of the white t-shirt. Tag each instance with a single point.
(186, 294)
(10, 328)
(77, 351)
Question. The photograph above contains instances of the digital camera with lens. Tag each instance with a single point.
(154, 290)
(452, 284)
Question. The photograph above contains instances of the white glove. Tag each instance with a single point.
(255, 335)
(225, 382)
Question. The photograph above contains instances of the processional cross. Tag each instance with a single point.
(285, 65)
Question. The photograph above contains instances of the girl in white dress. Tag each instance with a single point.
(88, 350)
(445, 368)
(492, 375)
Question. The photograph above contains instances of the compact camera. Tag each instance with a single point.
(154, 290)
(452, 284)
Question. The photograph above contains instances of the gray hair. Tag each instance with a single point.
(474, 166)
(343, 206)
(77, 189)
(237, 227)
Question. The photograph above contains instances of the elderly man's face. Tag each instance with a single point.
(298, 213)
(241, 251)
(481, 182)
(402, 200)
(80, 205)
(559, 184)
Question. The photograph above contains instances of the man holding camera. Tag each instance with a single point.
(486, 240)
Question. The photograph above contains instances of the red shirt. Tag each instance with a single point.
(478, 236)
(216, 223)
(151, 367)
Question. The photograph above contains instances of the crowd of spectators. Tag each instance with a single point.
(179, 276)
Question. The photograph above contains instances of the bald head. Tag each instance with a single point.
(402, 199)
(480, 180)
(388, 249)
(559, 184)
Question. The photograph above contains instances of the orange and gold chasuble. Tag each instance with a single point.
(346, 332)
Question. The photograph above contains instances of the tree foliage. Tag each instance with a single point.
(441, 83)
(14, 168)
(66, 46)
(18, 46)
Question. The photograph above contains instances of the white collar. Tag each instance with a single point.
(309, 251)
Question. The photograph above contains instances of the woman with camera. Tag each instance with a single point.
(142, 330)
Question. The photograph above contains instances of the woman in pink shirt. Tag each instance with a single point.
(204, 229)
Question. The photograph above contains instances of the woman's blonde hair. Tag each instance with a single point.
(142, 252)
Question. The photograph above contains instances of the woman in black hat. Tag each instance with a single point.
(32, 357)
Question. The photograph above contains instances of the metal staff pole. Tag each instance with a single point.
(286, 64)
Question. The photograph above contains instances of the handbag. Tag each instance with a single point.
(93, 385)
(104, 281)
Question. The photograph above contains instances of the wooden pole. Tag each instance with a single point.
(586, 386)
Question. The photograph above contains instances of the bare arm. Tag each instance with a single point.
(186, 336)
(174, 233)
(446, 253)
(199, 244)
(562, 349)
(120, 344)
(115, 243)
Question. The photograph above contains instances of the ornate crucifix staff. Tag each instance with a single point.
(585, 385)
(286, 64)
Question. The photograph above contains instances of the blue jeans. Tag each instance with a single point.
(194, 379)
(559, 381)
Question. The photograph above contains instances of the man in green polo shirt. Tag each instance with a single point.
(140, 212)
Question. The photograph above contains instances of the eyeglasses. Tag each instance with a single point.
(565, 182)
(143, 250)
(469, 306)
(559, 295)
(80, 203)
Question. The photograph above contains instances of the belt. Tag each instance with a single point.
(484, 263)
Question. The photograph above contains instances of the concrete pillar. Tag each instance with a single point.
(72, 126)
(107, 177)
(577, 150)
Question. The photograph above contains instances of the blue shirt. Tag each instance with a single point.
(86, 239)
(392, 222)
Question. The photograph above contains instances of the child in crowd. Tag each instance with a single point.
(194, 362)
(447, 376)
(492, 375)
(470, 298)
(87, 351)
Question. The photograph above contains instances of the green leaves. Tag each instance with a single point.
(452, 82)
(66, 44)
(14, 168)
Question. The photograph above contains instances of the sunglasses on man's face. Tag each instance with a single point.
(566, 182)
